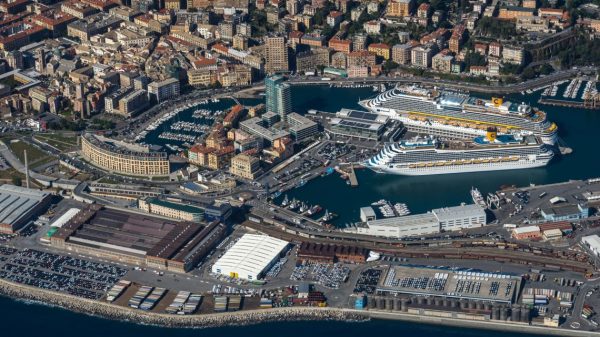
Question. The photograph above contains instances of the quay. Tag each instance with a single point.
(587, 104)
(352, 177)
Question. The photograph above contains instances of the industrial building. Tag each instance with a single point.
(18, 206)
(462, 217)
(328, 253)
(441, 219)
(565, 212)
(250, 257)
(138, 239)
(592, 242)
(442, 283)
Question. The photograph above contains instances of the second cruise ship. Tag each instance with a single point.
(430, 156)
(455, 115)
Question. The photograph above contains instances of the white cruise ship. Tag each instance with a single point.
(485, 153)
(453, 115)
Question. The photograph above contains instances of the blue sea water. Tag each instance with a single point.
(19, 318)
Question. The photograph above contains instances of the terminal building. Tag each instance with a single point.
(250, 257)
(358, 124)
(123, 158)
(138, 239)
(19, 205)
(441, 219)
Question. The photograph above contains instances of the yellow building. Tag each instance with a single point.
(245, 166)
(171, 209)
(399, 8)
(380, 49)
(217, 160)
(123, 158)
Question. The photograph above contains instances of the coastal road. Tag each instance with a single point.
(490, 89)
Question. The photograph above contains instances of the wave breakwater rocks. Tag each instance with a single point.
(111, 311)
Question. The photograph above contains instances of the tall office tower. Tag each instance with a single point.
(278, 95)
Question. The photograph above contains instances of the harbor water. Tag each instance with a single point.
(26, 319)
(578, 129)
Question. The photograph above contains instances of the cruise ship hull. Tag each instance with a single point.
(453, 169)
(430, 116)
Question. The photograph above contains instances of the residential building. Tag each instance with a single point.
(164, 90)
(401, 53)
(399, 8)
(421, 56)
(442, 63)
(380, 49)
(276, 55)
(245, 166)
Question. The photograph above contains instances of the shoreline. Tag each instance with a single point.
(250, 317)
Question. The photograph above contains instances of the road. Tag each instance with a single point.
(490, 89)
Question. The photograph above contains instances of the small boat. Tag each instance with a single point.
(301, 183)
(285, 201)
(314, 210)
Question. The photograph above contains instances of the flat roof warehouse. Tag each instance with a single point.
(250, 257)
(18, 205)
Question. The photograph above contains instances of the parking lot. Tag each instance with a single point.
(327, 275)
(58, 272)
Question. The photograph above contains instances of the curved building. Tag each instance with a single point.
(123, 158)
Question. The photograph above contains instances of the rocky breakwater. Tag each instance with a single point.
(111, 311)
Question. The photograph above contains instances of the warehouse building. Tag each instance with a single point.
(566, 212)
(138, 239)
(328, 253)
(462, 217)
(399, 227)
(19, 205)
(250, 257)
(592, 242)
(441, 219)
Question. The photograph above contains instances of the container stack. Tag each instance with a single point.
(153, 298)
(221, 303)
(117, 290)
(587, 311)
(565, 299)
(235, 303)
(191, 305)
(139, 296)
(178, 302)
(265, 303)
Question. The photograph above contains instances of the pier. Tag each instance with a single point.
(352, 177)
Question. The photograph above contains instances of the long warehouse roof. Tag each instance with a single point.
(251, 254)
(16, 202)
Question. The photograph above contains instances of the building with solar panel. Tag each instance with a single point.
(358, 124)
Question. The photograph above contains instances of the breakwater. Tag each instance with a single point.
(111, 311)
(250, 317)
